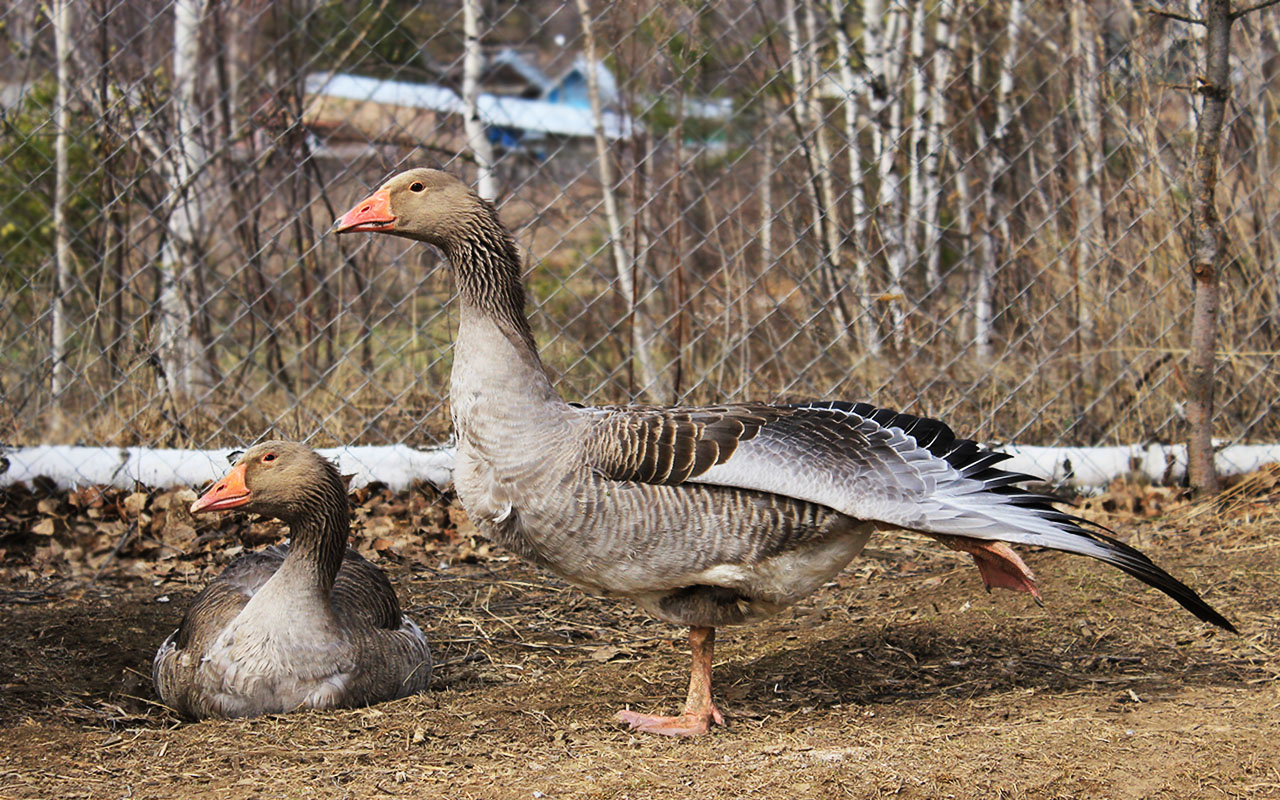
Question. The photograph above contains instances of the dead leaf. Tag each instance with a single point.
(178, 535)
(45, 527)
(134, 503)
(88, 497)
(462, 522)
(606, 652)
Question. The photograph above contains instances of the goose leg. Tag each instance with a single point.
(699, 710)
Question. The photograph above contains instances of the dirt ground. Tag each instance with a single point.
(903, 678)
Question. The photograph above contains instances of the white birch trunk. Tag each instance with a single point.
(60, 376)
(1199, 36)
(650, 384)
(1008, 60)
(803, 69)
(868, 339)
(992, 154)
(891, 200)
(472, 64)
(176, 343)
(915, 147)
(964, 209)
(1004, 117)
(980, 305)
(826, 163)
(980, 234)
(873, 58)
(944, 38)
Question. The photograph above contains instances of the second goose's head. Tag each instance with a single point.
(423, 204)
(284, 480)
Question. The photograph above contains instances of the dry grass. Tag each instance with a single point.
(902, 678)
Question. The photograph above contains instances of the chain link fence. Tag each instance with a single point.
(973, 209)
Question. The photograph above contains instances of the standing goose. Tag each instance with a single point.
(309, 624)
(704, 516)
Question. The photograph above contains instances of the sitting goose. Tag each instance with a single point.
(704, 516)
(309, 624)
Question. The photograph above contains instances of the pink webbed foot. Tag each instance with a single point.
(687, 724)
(699, 710)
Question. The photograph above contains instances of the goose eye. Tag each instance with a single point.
(416, 187)
(269, 457)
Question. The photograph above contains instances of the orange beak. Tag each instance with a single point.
(371, 215)
(226, 493)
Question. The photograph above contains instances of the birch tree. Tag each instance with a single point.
(981, 235)
(944, 45)
(854, 121)
(883, 64)
(993, 152)
(61, 17)
(472, 63)
(824, 162)
(765, 190)
(819, 187)
(915, 140)
(177, 345)
(623, 263)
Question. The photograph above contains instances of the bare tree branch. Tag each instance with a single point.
(1160, 12)
(1238, 13)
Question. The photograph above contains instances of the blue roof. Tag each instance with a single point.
(495, 110)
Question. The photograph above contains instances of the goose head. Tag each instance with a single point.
(284, 480)
(422, 204)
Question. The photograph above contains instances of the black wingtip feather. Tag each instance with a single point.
(975, 461)
(1127, 559)
(1133, 562)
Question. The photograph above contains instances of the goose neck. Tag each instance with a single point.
(318, 540)
(487, 266)
(495, 354)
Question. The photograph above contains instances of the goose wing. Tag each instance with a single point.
(869, 463)
(394, 658)
(362, 595)
(670, 446)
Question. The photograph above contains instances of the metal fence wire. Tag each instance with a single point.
(974, 209)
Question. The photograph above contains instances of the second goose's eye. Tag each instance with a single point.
(269, 457)
(416, 187)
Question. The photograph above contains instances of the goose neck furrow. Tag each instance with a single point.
(318, 542)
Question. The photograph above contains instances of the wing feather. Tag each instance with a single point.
(668, 446)
(866, 462)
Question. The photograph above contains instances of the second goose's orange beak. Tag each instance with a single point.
(229, 492)
(371, 215)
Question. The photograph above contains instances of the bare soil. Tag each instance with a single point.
(902, 678)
